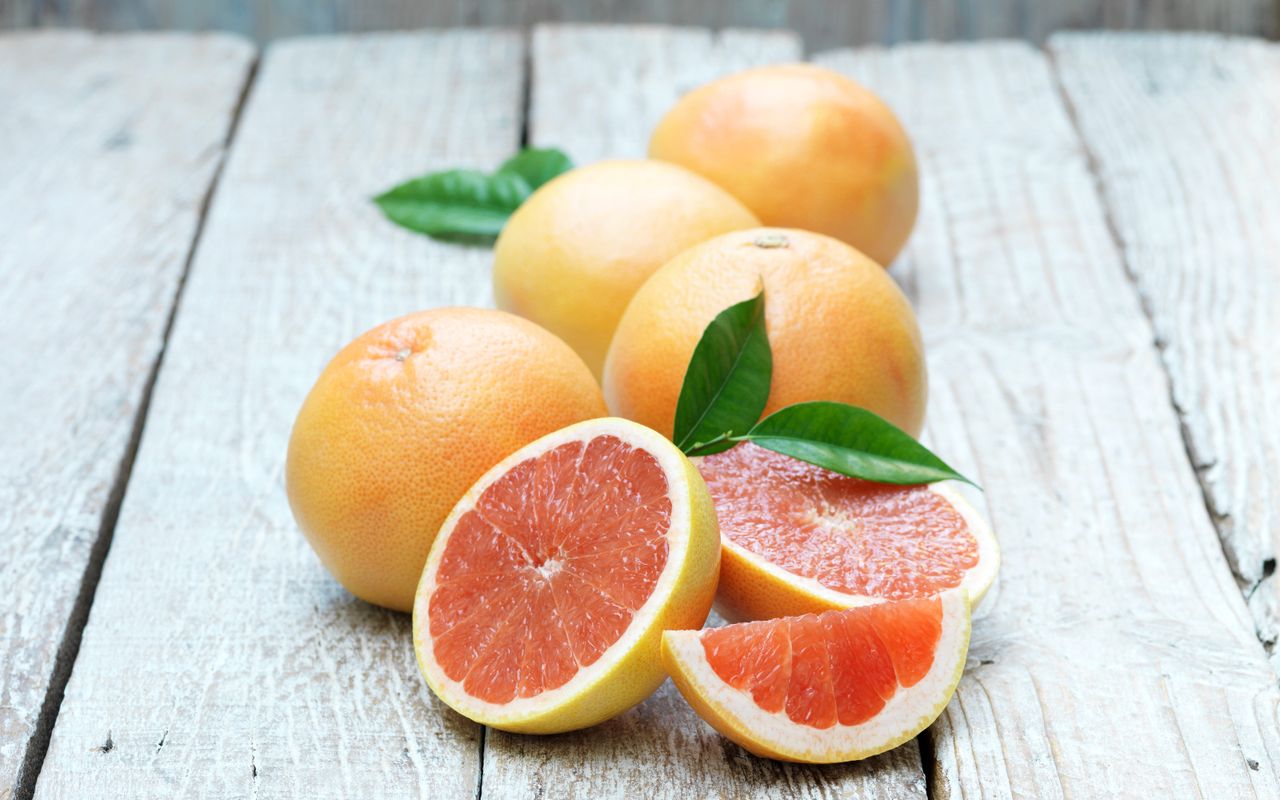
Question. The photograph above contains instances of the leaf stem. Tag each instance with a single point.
(692, 450)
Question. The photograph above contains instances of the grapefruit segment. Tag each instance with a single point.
(799, 539)
(820, 688)
(546, 592)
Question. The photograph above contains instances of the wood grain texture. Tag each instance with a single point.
(597, 92)
(1114, 657)
(822, 23)
(220, 659)
(1199, 222)
(108, 146)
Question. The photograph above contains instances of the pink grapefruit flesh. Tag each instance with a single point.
(836, 540)
(549, 568)
(835, 686)
(545, 595)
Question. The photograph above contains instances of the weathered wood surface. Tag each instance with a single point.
(1198, 218)
(108, 146)
(220, 660)
(598, 92)
(1116, 657)
(823, 23)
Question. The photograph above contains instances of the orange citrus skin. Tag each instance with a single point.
(803, 147)
(404, 419)
(572, 256)
(748, 593)
(838, 326)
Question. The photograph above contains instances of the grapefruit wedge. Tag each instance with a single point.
(544, 598)
(800, 539)
(820, 688)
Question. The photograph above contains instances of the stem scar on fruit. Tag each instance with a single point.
(770, 241)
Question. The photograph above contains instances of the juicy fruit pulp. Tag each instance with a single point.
(855, 537)
(553, 561)
(545, 596)
(820, 688)
(820, 669)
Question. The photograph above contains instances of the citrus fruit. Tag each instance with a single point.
(574, 253)
(543, 602)
(839, 327)
(798, 538)
(404, 419)
(820, 688)
(802, 147)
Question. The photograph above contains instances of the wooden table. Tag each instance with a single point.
(186, 238)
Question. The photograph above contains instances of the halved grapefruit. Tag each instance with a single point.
(543, 601)
(821, 688)
(800, 539)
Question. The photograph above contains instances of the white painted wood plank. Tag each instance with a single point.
(598, 92)
(1185, 131)
(1114, 657)
(220, 660)
(107, 149)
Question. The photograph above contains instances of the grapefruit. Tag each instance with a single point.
(574, 253)
(404, 419)
(544, 599)
(820, 688)
(839, 327)
(798, 538)
(802, 147)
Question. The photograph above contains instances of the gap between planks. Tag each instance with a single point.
(1248, 584)
(140, 420)
(38, 744)
(280, 280)
(99, 135)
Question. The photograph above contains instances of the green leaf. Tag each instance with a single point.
(468, 203)
(851, 441)
(537, 165)
(459, 201)
(726, 384)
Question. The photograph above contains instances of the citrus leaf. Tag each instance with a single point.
(851, 441)
(537, 165)
(455, 202)
(726, 384)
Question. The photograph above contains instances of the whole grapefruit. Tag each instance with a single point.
(802, 147)
(573, 254)
(839, 327)
(404, 419)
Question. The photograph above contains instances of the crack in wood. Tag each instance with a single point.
(1200, 464)
(38, 745)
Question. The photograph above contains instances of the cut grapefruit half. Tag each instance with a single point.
(543, 601)
(801, 539)
(820, 688)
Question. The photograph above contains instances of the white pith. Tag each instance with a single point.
(976, 581)
(909, 711)
(523, 709)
